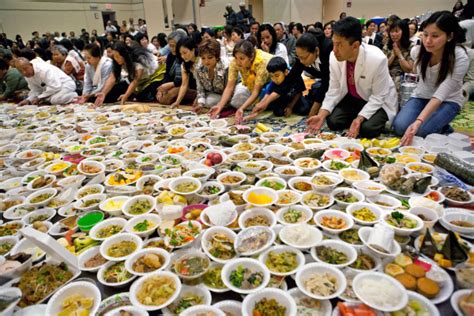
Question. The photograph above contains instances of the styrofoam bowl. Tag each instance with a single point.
(397, 304)
(118, 221)
(335, 178)
(337, 245)
(116, 239)
(386, 199)
(318, 217)
(155, 219)
(85, 256)
(377, 211)
(115, 211)
(368, 187)
(282, 297)
(83, 288)
(310, 269)
(283, 249)
(305, 211)
(257, 211)
(180, 180)
(207, 235)
(459, 216)
(404, 231)
(251, 264)
(51, 191)
(127, 205)
(136, 286)
(136, 255)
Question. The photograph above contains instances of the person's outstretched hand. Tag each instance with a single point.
(214, 111)
(314, 124)
(353, 131)
(239, 116)
(410, 133)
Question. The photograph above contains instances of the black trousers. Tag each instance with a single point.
(302, 106)
(117, 90)
(347, 110)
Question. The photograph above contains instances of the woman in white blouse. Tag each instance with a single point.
(441, 64)
(268, 42)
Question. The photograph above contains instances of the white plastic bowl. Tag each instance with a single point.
(316, 164)
(229, 307)
(85, 256)
(253, 265)
(12, 240)
(308, 194)
(98, 187)
(306, 211)
(211, 196)
(272, 179)
(100, 276)
(430, 215)
(272, 194)
(310, 269)
(10, 292)
(337, 245)
(404, 231)
(318, 217)
(386, 199)
(297, 172)
(296, 197)
(128, 204)
(459, 216)
(198, 290)
(327, 163)
(397, 304)
(377, 211)
(91, 163)
(83, 288)
(49, 212)
(136, 255)
(164, 158)
(364, 234)
(79, 204)
(361, 174)
(336, 179)
(241, 175)
(202, 310)
(363, 186)
(293, 181)
(108, 222)
(177, 181)
(49, 176)
(206, 171)
(116, 239)
(136, 286)
(360, 197)
(315, 236)
(207, 235)
(250, 231)
(282, 297)
(116, 211)
(133, 310)
(51, 191)
(258, 211)
(153, 218)
(280, 249)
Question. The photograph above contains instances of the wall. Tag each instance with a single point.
(304, 11)
(371, 8)
(23, 17)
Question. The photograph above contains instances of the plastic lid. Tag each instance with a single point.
(50, 246)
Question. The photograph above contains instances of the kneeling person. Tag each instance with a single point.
(285, 95)
(47, 83)
(361, 94)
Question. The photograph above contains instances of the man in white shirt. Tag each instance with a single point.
(373, 38)
(47, 83)
(110, 27)
(361, 95)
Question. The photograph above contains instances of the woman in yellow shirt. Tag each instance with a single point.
(251, 64)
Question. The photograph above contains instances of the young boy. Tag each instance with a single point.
(285, 94)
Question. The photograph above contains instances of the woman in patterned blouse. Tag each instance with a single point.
(211, 75)
(251, 64)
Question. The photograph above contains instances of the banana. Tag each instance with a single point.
(258, 130)
(392, 142)
(262, 127)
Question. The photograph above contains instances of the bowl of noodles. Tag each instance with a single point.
(155, 290)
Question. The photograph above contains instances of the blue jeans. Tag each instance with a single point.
(438, 122)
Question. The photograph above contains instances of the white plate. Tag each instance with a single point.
(326, 306)
(445, 225)
(33, 310)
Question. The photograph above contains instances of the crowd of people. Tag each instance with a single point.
(246, 68)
